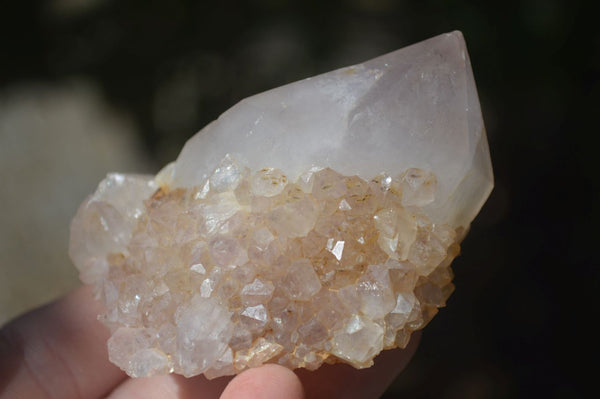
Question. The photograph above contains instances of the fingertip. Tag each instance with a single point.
(270, 381)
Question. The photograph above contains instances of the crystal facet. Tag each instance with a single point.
(312, 223)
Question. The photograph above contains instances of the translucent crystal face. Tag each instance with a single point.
(414, 108)
(252, 268)
(275, 236)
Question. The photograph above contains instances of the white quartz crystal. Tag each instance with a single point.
(414, 108)
(312, 223)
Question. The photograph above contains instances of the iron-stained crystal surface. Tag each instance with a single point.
(312, 223)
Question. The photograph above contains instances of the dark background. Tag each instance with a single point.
(527, 282)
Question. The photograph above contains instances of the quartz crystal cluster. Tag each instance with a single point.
(312, 223)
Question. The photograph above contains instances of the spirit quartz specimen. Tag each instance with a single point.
(312, 223)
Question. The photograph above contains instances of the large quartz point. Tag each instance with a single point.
(312, 223)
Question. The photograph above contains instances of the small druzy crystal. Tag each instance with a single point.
(312, 223)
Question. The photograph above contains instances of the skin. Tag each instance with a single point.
(59, 351)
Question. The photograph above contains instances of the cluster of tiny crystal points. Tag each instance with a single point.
(251, 268)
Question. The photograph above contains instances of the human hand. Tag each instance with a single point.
(59, 351)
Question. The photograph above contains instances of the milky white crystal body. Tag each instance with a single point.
(414, 108)
(312, 223)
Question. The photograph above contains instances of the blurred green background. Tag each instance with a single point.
(91, 86)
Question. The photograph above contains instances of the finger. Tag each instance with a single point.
(57, 351)
(170, 386)
(344, 381)
(270, 381)
(266, 382)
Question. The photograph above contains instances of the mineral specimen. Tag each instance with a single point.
(312, 223)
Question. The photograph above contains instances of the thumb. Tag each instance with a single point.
(270, 381)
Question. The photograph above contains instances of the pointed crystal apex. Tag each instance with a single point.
(413, 108)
